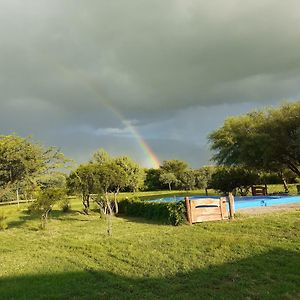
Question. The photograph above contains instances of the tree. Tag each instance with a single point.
(175, 167)
(152, 179)
(187, 180)
(203, 176)
(135, 174)
(267, 140)
(45, 201)
(111, 178)
(100, 157)
(169, 179)
(229, 179)
(52, 180)
(83, 180)
(22, 160)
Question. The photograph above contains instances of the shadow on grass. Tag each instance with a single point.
(22, 219)
(272, 275)
(142, 220)
(27, 216)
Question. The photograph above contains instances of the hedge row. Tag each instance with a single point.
(168, 212)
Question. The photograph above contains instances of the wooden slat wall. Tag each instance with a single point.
(208, 209)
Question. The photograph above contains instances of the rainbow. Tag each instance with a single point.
(94, 87)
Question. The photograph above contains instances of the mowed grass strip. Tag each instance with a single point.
(248, 258)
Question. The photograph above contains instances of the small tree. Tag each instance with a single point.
(169, 179)
(111, 178)
(187, 180)
(135, 174)
(84, 180)
(22, 160)
(45, 201)
(152, 180)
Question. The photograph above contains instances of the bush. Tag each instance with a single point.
(168, 212)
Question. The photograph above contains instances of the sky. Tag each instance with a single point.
(144, 78)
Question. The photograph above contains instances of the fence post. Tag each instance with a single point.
(188, 210)
(231, 206)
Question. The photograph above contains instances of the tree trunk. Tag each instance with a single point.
(286, 188)
(109, 217)
(294, 168)
(86, 203)
(115, 202)
(170, 188)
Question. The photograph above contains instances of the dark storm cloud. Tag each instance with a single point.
(69, 65)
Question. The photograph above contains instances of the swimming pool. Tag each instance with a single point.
(243, 202)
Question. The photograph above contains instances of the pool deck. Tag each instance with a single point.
(269, 209)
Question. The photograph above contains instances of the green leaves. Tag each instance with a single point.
(167, 212)
(266, 140)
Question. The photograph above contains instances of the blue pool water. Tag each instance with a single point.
(244, 202)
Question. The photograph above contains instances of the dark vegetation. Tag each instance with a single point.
(173, 213)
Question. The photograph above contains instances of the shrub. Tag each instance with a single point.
(168, 212)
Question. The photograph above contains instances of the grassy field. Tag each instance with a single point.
(248, 258)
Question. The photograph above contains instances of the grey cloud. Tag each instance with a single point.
(69, 65)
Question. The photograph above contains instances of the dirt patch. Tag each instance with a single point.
(269, 209)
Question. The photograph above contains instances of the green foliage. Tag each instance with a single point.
(175, 173)
(152, 180)
(228, 179)
(45, 201)
(187, 180)
(23, 161)
(266, 140)
(100, 157)
(174, 166)
(168, 179)
(203, 176)
(52, 180)
(84, 181)
(135, 174)
(170, 213)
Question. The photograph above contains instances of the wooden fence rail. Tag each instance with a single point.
(16, 202)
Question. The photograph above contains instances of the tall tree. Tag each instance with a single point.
(23, 160)
(175, 167)
(267, 140)
(135, 173)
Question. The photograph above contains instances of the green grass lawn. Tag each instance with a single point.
(248, 258)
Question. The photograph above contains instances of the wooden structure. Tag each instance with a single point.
(206, 209)
(258, 190)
